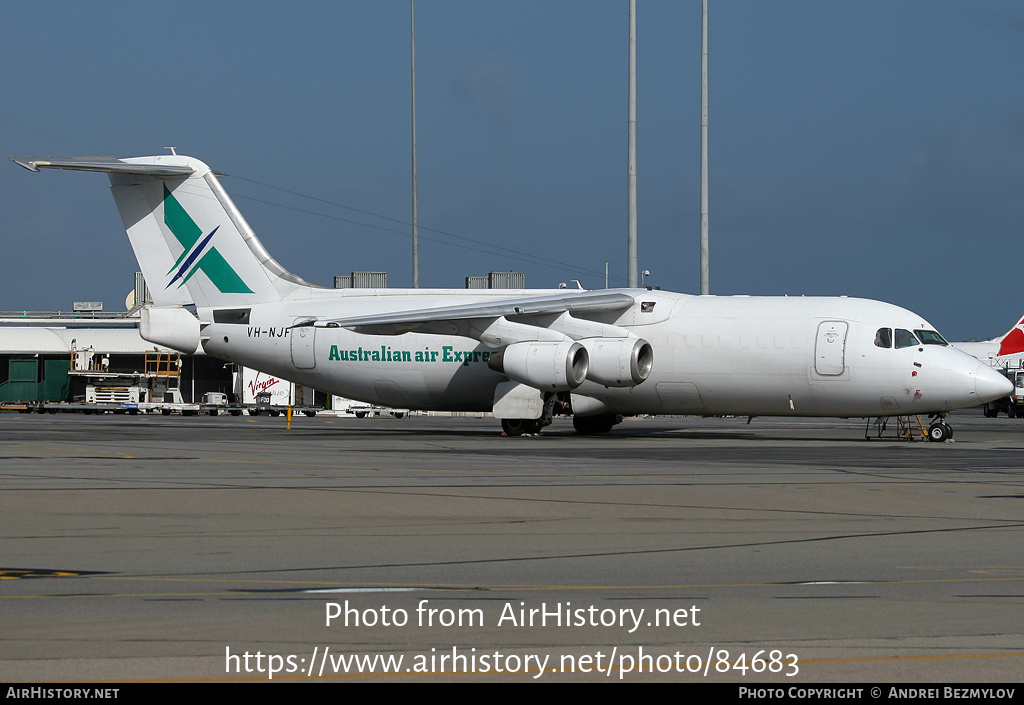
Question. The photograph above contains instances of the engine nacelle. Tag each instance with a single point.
(619, 362)
(548, 366)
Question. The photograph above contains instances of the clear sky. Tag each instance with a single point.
(869, 148)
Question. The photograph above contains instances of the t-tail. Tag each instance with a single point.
(192, 243)
(1013, 342)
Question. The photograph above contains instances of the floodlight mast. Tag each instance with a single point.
(631, 249)
(415, 188)
(704, 260)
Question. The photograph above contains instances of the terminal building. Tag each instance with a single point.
(54, 357)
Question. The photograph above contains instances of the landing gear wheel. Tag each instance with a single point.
(590, 425)
(517, 427)
(939, 432)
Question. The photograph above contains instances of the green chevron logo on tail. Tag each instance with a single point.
(196, 256)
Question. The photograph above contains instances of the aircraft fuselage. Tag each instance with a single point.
(785, 356)
(610, 353)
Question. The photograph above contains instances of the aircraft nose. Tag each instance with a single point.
(990, 385)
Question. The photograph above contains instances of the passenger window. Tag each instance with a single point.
(883, 338)
(905, 339)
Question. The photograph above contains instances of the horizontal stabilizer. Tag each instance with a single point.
(106, 165)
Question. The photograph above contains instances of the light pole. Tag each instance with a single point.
(631, 252)
(415, 194)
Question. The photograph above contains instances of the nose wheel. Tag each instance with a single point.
(940, 431)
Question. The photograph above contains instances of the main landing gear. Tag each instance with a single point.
(519, 427)
(584, 425)
(553, 404)
(591, 425)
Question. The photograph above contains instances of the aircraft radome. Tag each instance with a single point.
(525, 355)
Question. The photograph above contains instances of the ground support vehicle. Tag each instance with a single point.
(1013, 403)
(361, 411)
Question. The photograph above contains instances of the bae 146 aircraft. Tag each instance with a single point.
(525, 355)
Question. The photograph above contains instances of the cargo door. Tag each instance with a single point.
(830, 348)
(303, 351)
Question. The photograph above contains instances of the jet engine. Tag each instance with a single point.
(619, 362)
(548, 366)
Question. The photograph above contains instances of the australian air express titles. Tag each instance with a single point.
(385, 354)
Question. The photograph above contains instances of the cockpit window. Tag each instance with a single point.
(930, 337)
(905, 339)
(883, 338)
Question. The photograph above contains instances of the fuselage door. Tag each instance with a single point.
(830, 348)
(303, 353)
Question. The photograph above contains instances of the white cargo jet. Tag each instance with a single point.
(998, 352)
(525, 355)
(1005, 354)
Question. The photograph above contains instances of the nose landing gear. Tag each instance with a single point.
(939, 430)
(910, 428)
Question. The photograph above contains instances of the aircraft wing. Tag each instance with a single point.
(518, 306)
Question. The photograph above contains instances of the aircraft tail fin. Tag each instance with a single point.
(192, 243)
(1013, 342)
